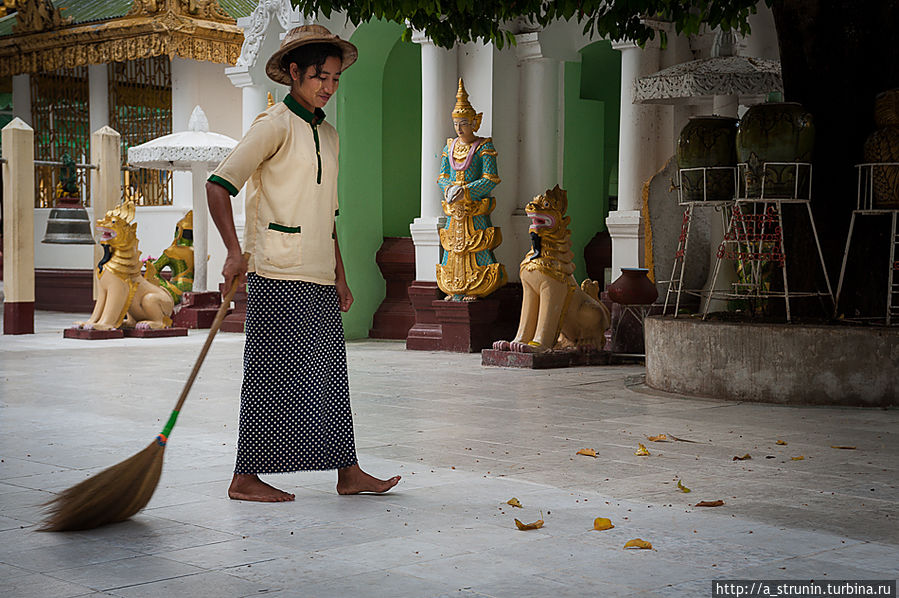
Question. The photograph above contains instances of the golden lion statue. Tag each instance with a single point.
(125, 298)
(555, 312)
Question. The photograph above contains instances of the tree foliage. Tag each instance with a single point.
(449, 21)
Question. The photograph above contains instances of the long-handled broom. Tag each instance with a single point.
(117, 493)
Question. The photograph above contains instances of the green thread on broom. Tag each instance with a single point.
(164, 435)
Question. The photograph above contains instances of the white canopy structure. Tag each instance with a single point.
(197, 150)
(724, 74)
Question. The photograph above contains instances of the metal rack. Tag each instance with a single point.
(675, 284)
(865, 207)
(754, 234)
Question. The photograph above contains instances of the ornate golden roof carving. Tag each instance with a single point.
(192, 29)
(37, 15)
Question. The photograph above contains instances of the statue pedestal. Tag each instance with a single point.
(91, 334)
(198, 309)
(542, 361)
(395, 316)
(236, 321)
(460, 326)
(466, 326)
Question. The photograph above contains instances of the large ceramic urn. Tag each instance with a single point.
(706, 147)
(883, 146)
(633, 287)
(770, 133)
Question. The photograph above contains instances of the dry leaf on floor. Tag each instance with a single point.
(642, 451)
(743, 458)
(526, 526)
(638, 543)
(846, 448)
(709, 503)
(602, 523)
(799, 458)
(514, 502)
(587, 452)
(781, 442)
(659, 438)
(682, 488)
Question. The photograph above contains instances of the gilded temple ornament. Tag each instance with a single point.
(468, 174)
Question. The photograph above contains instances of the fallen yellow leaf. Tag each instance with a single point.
(587, 452)
(602, 523)
(781, 442)
(682, 488)
(799, 458)
(514, 502)
(709, 503)
(743, 458)
(847, 448)
(526, 526)
(642, 451)
(659, 438)
(638, 543)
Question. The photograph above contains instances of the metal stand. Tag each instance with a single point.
(675, 284)
(754, 237)
(865, 207)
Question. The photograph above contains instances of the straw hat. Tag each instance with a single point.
(300, 36)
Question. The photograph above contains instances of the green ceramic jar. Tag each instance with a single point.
(707, 141)
(776, 132)
(883, 146)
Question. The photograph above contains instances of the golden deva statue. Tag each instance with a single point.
(468, 175)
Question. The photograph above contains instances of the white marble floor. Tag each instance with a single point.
(465, 439)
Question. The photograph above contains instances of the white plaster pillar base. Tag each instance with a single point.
(626, 229)
(426, 238)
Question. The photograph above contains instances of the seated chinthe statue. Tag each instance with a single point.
(179, 258)
(468, 174)
(556, 313)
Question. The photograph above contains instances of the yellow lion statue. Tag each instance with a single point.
(125, 298)
(555, 312)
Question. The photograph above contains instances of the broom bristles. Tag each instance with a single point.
(113, 495)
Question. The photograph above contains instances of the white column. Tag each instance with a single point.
(538, 115)
(438, 95)
(201, 216)
(21, 98)
(98, 82)
(638, 158)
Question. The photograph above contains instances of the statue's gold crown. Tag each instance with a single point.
(464, 109)
(123, 211)
(187, 223)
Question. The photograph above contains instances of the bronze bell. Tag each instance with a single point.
(69, 224)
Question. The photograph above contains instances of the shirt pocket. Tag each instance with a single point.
(282, 246)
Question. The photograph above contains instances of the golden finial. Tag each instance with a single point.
(463, 108)
(271, 100)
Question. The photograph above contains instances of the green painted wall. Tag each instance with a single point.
(401, 140)
(360, 117)
(591, 142)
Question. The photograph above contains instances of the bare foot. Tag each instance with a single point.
(250, 487)
(501, 346)
(352, 480)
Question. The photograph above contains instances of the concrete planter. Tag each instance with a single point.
(776, 363)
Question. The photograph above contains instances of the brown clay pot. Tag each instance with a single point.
(633, 288)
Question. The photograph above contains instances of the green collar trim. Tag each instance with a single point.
(313, 118)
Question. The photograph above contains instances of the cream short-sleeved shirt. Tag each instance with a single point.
(288, 160)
